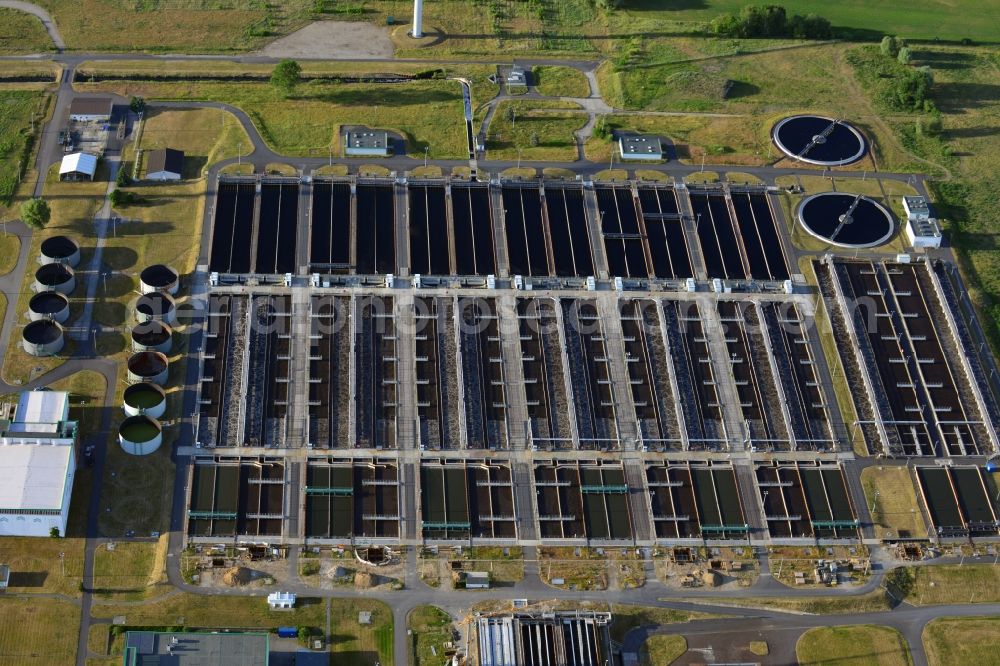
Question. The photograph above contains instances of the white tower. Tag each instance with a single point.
(418, 19)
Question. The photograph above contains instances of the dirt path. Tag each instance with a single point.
(330, 40)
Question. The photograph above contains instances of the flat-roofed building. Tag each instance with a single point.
(640, 147)
(145, 648)
(917, 208)
(924, 232)
(366, 143)
(37, 465)
(91, 109)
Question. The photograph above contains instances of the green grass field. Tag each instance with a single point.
(426, 113)
(352, 644)
(859, 645)
(15, 129)
(662, 650)
(431, 627)
(897, 513)
(538, 130)
(970, 640)
(38, 632)
(22, 33)
(560, 81)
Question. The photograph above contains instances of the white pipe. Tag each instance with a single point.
(418, 19)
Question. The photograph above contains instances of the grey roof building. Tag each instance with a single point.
(640, 147)
(91, 108)
(366, 142)
(156, 648)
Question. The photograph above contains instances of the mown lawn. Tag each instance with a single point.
(537, 130)
(858, 645)
(426, 113)
(38, 632)
(897, 513)
(971, 640)
(560, 81)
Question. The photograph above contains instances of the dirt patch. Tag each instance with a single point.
(333, 39)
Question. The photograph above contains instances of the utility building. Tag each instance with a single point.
(145, 648)
(91, 109)
(165, 164)
(640, 148)
(366, 143)
(78, 166)
(37, 465)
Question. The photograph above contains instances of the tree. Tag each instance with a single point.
(904, 56)
(137, 105)
(54, 533)
(36, 213)
(286, 76)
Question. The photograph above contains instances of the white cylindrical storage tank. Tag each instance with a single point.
(55, 277)
(140, 435)
(59, 250)
(156, 306)
(148, 366)
(145, 398)
(49, 305)
(152, 336)
(43, 337)
(159, 277)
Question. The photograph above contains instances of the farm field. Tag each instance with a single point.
(568, 26)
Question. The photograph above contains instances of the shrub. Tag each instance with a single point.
(889, 46)
(905, 56)
(36, 213)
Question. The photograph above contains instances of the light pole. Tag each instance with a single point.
(426, 148)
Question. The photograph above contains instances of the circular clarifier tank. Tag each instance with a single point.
(158, 277)
(151, 336)
(43, 338)
(49, 305)
(156, 306)
(819, 140)
(148, 366)
(59, 250)
(145, 398)
(140, 435)
(55, 277)
(846, 220)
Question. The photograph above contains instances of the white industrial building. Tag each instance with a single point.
(78, 166)
(366, 143)
(636, 147)
(37, 465)
(922, 229)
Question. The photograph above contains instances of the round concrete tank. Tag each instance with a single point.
(59, 250)
(49, 305)
(156, 306)
(148, 366)
(140, 435)
(43, 338)
(55, 277)
(145, 398)
(152, 336)
(159, 277)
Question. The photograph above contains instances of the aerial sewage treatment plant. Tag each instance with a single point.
(414, 360)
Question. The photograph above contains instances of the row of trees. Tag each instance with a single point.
(757, 21)
(910, 89)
